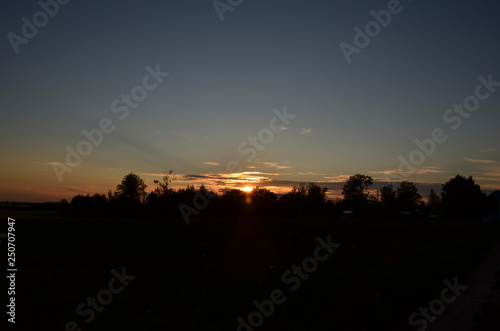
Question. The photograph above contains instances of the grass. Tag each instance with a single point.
(205, 275)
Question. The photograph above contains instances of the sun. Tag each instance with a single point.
(247, 188)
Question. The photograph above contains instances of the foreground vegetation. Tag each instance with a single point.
(205, 275)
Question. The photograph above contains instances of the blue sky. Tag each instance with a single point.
(226, 77)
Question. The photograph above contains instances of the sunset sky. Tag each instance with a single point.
(228, 80)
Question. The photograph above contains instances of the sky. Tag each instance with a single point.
(246, 93)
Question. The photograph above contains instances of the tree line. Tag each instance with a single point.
(460, 198)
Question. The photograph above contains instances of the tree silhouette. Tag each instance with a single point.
(355, 191)
(388, 197)
(132, 188)
(86, 205)
(263, 194)
(462, 197)
(433, 202)
(316, 198)
(407, 196)
(162, 187)
(293, 202)
(233, 202)
(492, 205)
(304, 199)
(161, 200)
(264, 200)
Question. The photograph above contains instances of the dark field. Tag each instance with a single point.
(203, 276)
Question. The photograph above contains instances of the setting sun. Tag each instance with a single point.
(247, 188)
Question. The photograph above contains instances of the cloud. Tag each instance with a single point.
(211, 163)
(337, 179)
(151, 174)
(480, 161)
(491, 171)
(489, 150)
(491, 179)
(53, 163)
(273, 165)
(305, 131)
(422, 171)
(222, 181)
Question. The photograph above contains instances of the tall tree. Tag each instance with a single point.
(462, 197)
(388, 197)
(264, 201)
(316, 196)
(294, 201)
(263, 193)
(131, 188)
(407, 196)
(433, 202)
(355, 190)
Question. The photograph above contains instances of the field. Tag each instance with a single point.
(206, 275)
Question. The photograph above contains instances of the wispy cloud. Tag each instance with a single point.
(491, 179)
(422, 171)
(53, 163)
(151, 174)
(211, 163)
(489, 150)
(273, 165)
(219, 182)
(491, 171)
(337, 178)
(480, 161)
(305, 131)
